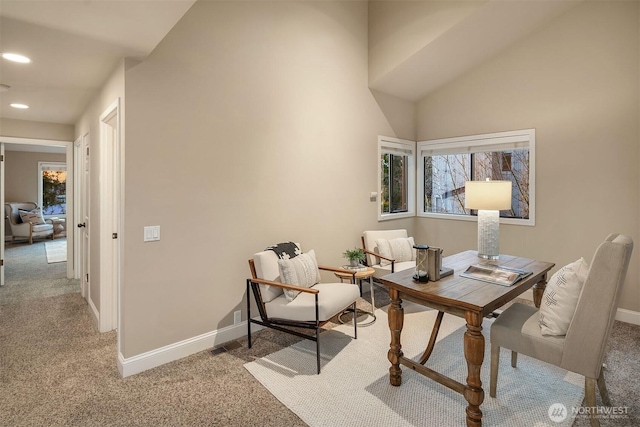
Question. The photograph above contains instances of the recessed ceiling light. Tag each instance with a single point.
(4, 88)
(16, 58)
(22, 106)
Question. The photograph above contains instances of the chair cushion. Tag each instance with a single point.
(561, 298)
(300, 271)
(39, 228)
(398, 266)
(332, 299)
(369, 238)
(399, 249)
(517, 329)
(33, 216)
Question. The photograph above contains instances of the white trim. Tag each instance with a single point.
(2, 230)
(169, 353)
(400, 146)
(70, 196)
(477, 143)
(628, 316)
(109, 260)
(94, 312)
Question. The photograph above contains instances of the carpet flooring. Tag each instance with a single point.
(28, 275)
(57, 370)
(354, 388)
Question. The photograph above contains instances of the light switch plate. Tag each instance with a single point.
(152, 233)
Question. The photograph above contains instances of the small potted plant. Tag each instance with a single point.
(355, 256)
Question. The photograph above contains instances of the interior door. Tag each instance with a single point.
(2, 230)
(84, 216)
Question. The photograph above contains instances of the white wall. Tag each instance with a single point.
(251, 123)
(576, 82)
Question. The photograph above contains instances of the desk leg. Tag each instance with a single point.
(538, 290)
(474, 353)
(396, 320)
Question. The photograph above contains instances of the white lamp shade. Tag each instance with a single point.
(487, 195)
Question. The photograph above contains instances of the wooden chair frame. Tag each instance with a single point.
(284, 325)
(377, 255)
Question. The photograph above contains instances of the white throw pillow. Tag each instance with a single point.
(299, 271)
(33, 216)
(400, 249)
(561, 298)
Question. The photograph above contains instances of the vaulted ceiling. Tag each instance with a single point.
(75, 45)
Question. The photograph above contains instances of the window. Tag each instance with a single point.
(446, 164)
(396, 178)
(52, 188)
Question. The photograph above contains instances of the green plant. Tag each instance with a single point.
(355, 254)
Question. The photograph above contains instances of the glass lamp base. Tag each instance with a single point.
(488, 234)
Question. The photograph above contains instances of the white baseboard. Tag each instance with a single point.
(622, 314)
(628, 316)
(94, 313)
(151, 359)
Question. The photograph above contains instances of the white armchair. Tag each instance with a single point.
(27, 230)
(388, 251)
(288, 294)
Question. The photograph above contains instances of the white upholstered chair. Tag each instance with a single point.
(380, 263)
(25, 229)
(312, 308)
(582, 349)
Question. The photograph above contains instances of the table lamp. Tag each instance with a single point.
(488, 197)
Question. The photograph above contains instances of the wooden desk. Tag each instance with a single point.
(463, 297)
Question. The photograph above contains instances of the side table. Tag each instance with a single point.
(366, 273)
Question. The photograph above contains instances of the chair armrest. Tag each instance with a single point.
(338, 270)
(285, 286)
(378, 255)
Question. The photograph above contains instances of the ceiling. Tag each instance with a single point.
(74, 46)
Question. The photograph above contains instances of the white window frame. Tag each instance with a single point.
(398, 146)
(42, 166)
(480, 143)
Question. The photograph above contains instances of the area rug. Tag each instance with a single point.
(56, 251)
(353, 387)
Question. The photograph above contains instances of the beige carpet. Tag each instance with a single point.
(56, 251)
(354, 389)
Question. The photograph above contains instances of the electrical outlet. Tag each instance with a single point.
(237, 317)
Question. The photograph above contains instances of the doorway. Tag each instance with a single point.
(110, 217)
(26, 147)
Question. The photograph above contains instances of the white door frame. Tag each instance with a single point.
(69, 190)
(3, 221)
(110, 216)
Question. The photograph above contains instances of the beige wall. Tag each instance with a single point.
(576, 82)
(399, 29)
(36, 130)
(21, 174)
(251, 123)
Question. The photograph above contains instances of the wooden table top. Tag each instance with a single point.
(359, 275)
(455, 294)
